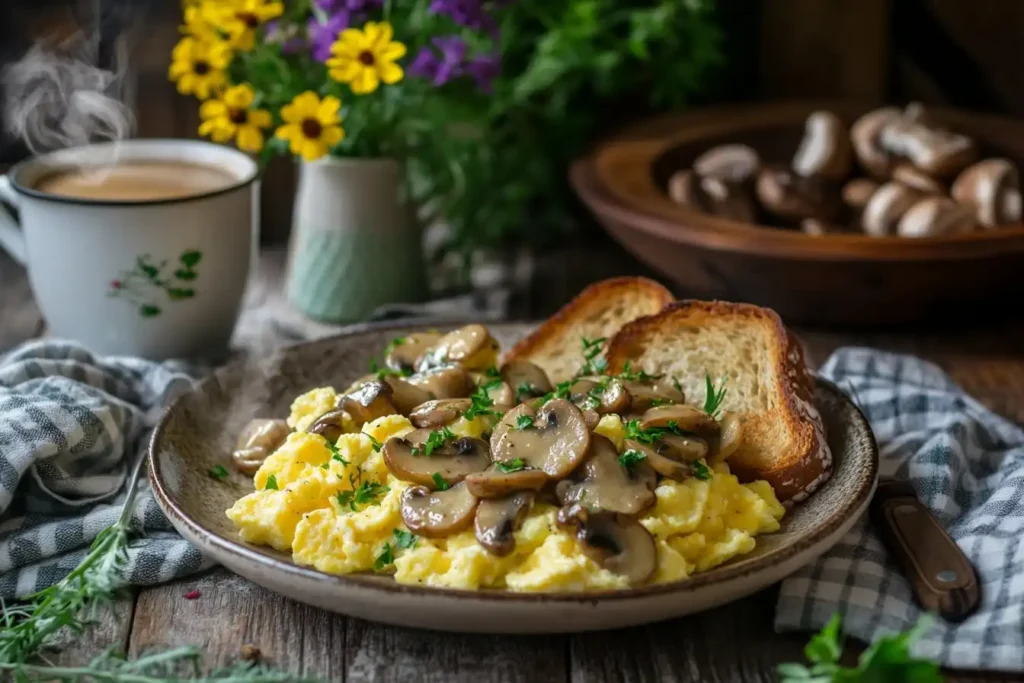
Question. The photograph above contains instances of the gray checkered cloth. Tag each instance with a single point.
(967, 465)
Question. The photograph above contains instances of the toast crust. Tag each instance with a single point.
(554, 332)
(808, 461)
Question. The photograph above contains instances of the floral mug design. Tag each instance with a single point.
(149, 284)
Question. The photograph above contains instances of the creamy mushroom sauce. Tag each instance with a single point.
(446, 468)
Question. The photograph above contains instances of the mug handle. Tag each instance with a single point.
(11, 237)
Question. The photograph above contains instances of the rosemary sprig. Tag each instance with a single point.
(713, 397)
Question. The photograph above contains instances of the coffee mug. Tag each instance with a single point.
(159, 277)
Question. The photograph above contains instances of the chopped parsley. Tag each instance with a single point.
(403, 541)
(393, 344)
(271, 483)
(524, 422)
(220, 473)
(524, 390)
(631, 458)
(714, 397)
(562, 390)
(639, 376)
(593, 362)
(439, 482)
(377, 445)
(335, 453)
(361, 493)
(651, 434)
(435, 440)
(481, 401)
(655, 402)
(702, 471)
(386, 557)
(381, 373)
(513, 465)
(492, 373)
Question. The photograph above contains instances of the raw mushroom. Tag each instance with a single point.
(447, 381)
(824, 150)
(330, 425)
(556, 443)
(256, 442)
(406, 396)
(992, 189)
(459, 346)
(403, 356)
(494, 483)
(452, 461)
(615, 541)
(670, 468)
(886, 207)
(497, 520)
(370, 401)
(934, 216)
(916, 179)
(523, 375)
(864, 136)
(729, 199)
(601, 482)
(789, 196)
(684, 188)
(939, 153)
(736, 164)
(435, 514)
(439, 412)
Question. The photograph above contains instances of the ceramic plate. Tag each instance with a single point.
(199, 431)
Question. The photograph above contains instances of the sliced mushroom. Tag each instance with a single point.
(934, 216)
(916, 179)
(824, 150)
(733, 163)
(434, 514)
(678, 469)
(602, 483)
(494, 483)
(526, 379)
(257, 441)
(615, 399)
(459, 346)
(497, 520)
(684, 188)
(644, 395)
(685, 418)
(503, 397)
(592, 418)
(939, 153)
(406, 396)
(403, 354)
(330, 425)
(615, 541)
(992, 189)
(406, 458)
(370, 401)
(439, 413)
(588, 395)
(886, 207)
(447, 381)
(556, 443)
(789, 196)
(864, 136)
(731, 437)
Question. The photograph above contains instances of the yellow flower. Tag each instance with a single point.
(198, 66)
(239, 19)
(198, 26)
(233, 118)
(365, 58)
(312, 126)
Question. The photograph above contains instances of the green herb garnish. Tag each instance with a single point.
(593, 362)
(523, 391)
(631, 458)
(513, 465)
(888, 659)
(702, 471)
(481, 401)
(629, 375)
(492, 373)
(377, 445)
(403, 541)
(335, 453)
(393, 344)
(562, 390)
(219, 473)
(439, 482)
(655, 402)
(435, 440)
(651, 434)
(361, 493)
(386, 557)
(271, 484)
(713, 398)
(524, 422)
(382, 373)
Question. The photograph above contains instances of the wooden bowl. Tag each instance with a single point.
(835, 279)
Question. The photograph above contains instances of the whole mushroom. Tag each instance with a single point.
(886, 207)
(864, 137)
(737, 164)
(684, 188)
(992, 188)
(916, 179)
(824, 150)
(788, 196)
(938, 153)
(256, 442)
(934, 216)
(729, 199)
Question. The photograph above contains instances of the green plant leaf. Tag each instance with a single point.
(149, 311)
(191, 258)
(187, 275)
(824, 647)
(179, 294)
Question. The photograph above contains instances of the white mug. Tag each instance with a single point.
(152, 278)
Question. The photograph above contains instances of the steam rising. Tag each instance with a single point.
(57, 97)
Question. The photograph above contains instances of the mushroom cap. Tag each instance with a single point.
(992, 188)
(330, 425)
(406, 396)
(494, 483)
(434, 514)
(729, 199)
(497, 520)
(684, 188)
(789, 196)
(458, 346)
(257, 440)
(939, 153)
(824, 150)
(735, 163)
(439, 412)
(369, 401)
(933, 216)
(556, 443)
(453, 460)
(858, 192)
(403, 356)
(615, 541)
(885, 208)
(916, 179)
(864, 137)
(602, 483)
(446, 381)
(522, 374)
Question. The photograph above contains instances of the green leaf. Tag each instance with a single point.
(793, 672)
(513, 465)
(404, 539)
(631, 458)
(702, 471)
(191, 258)
(440, 482)
(824, 647)
(386, 557)
(271, 483)
(186, 275)
(713, 397)
(219, 472)
(179, 294)
(524, 422)
(149, 310)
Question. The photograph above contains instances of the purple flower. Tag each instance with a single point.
(441, 69)
(484, 69)
(468, 13)
(331, 6)
(286, 36)
(323, 36)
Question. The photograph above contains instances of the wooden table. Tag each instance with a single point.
(730, 644)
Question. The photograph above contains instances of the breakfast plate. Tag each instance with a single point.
(201, 428)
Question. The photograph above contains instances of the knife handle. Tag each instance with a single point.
(940, 575)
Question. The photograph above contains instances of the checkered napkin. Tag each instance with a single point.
(967, 465)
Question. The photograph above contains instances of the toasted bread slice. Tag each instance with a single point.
(598, 311)
(767, 384)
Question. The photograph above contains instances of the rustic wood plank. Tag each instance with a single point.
(111, 630)
(379, 653)
(231, 612)
(20, 318)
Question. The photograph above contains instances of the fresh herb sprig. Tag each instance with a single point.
(713, 397)
(403, 541)
(513, 465)
(629, 375)
(436, 439)
(481, 402)
(702, 471)
(593, 362)
(888, 659)
(361, 493)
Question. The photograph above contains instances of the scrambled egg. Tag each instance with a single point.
(696, 524)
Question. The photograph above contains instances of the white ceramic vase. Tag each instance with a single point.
(355, 244)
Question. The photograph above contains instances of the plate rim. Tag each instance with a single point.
(728, 572)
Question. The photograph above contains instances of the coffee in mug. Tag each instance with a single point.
(139, 181)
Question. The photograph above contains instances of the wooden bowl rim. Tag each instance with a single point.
(640, 204)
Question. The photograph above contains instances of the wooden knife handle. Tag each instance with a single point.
(941, 576)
